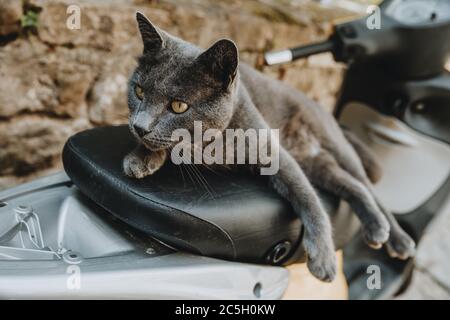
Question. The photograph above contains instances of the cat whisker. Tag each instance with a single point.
(182, 175)
(197, 179)
(203, 181)
(162, 138)
(204, 165)
(189, 172)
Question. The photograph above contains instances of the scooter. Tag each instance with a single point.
(90, 232)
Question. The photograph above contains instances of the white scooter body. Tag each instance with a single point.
(57, 244)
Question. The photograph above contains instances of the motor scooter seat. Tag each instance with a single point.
(222, 214)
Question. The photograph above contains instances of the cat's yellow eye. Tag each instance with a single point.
(179, 107)
(139, 92)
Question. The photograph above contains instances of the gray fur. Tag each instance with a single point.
(368, 159)
(313, 151)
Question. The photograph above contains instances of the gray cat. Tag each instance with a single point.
(176, 83)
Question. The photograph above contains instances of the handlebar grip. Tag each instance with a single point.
(292, 54)
(276, 57)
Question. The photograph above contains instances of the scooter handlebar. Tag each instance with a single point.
(292, 54)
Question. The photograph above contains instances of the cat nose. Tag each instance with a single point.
(140, 131)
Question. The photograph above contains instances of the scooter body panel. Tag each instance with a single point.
(414, 165)
(415, 186)
(55, 243)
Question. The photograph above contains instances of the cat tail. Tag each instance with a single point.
(369, 160)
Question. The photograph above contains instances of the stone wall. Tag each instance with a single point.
(55, 81)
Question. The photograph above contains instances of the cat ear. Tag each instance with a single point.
(153, 41)
(221, 61)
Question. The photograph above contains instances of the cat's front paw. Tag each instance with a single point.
(400, 245)
(321, 259)
(155, 160)
(135, 167)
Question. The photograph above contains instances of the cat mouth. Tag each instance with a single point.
(153, 143)
(156, 144)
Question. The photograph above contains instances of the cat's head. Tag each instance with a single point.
(177, 83)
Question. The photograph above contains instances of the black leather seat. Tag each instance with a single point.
(241, 219)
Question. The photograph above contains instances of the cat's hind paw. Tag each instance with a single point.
(400, 245)
(376, 233)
